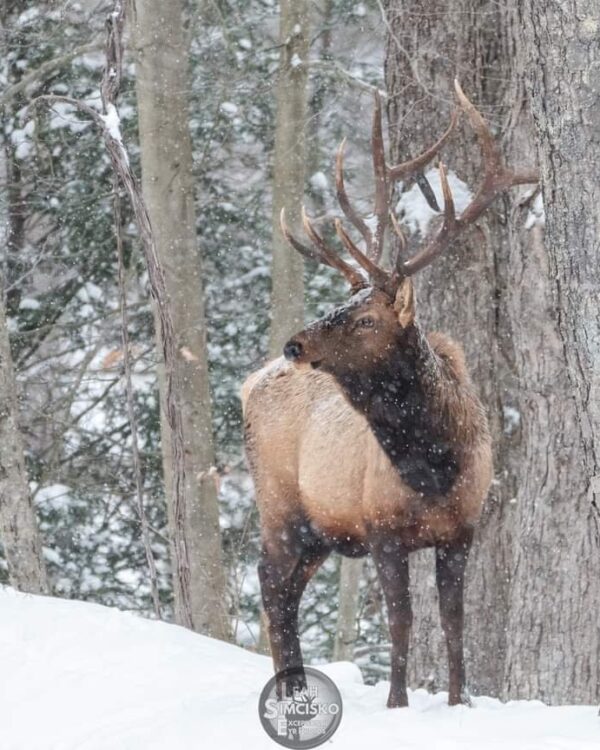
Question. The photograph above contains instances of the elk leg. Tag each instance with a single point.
(283, 577)
(451, 561)
(391, 561)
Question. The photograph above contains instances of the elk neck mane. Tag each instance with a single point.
(419, 403)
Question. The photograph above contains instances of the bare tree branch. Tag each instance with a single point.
(139, 489)
(45, 70)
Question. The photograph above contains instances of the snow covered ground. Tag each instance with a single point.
(80, 676)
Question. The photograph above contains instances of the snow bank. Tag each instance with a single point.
(78, 675)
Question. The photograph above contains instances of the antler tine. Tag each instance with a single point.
(378, 276)
(489, 149)
(322, 254)
(329, 256)
(304, 250)
(380, 171)
(442, 238)
(413, 165)
(497, 177)
(344, 201)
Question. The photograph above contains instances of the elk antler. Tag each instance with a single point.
(497, 178)
(384, 176)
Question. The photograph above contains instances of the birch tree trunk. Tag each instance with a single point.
(19, 532)
(532, 581)
(287, 292)
(166, 159)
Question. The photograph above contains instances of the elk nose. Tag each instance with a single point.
(292, 350)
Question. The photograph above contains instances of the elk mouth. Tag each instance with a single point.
(316, 364)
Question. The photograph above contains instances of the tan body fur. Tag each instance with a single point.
(314, 456)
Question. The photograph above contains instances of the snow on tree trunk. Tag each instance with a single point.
(167, 181)
(494, 293)
(287, 305)
(19, 532)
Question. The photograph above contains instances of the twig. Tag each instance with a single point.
(135, 451)
(334, 67)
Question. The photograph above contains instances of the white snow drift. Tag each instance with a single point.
(80, 676)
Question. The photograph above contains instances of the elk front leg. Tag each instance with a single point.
(451, 561)
(391, 561)
(283, 574)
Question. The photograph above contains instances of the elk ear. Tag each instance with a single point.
(404, 304)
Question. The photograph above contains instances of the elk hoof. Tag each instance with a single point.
(290, 681)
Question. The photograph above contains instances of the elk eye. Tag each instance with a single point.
(366, 322)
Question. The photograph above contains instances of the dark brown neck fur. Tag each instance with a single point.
(409, 399)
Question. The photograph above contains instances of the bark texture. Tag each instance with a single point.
(166, 158)
(19, 532)
(287, 304)
(557, 645)
(529, 623)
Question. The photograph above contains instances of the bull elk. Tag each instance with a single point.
(368, 436)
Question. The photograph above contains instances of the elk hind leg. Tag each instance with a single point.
(451, 561)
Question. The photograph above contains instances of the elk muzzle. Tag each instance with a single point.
(304, 350)
(292, 351)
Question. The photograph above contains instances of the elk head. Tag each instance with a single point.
(380, 314)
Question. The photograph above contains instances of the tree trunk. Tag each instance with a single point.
(346, 631)
(167, 182)
(556, 649)
(462, 294)
(287, 293)
(493, 292)
(287, 269)
(19, 532)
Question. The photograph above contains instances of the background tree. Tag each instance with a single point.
(494, 293)
(19, 533)
(58, 261)
(566, 112)
(287, 288)
(167, 181)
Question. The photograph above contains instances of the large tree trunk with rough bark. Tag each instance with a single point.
(19, 532)
(166, 159)
(534, 557)
(287, 303)
(556, 651)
